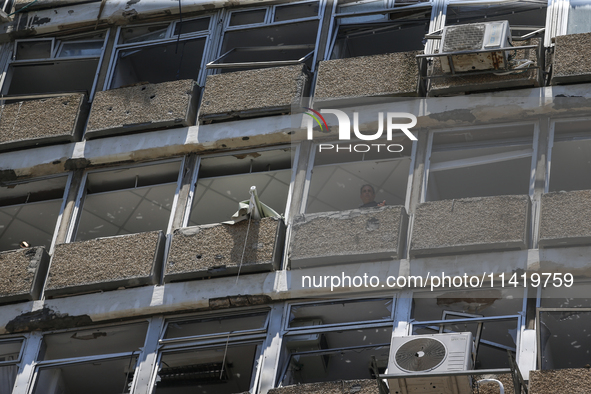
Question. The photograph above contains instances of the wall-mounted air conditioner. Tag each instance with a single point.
(475, 37)
(429, 354)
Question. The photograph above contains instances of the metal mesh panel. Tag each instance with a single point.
(421, 354)
(463, 37)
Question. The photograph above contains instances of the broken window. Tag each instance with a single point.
(127, 201)
(224, 181)
(97, 360)
(564, 327)
(338, 176)
(335, 340)
(277, 35)
(211, 353)
(379, 26)
(51, 66)
(477, 163)
(29, 212)
(569, 154)
(161, 52)
(10, 356)
(492, 316)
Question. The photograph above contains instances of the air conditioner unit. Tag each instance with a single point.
(429, 354)
(475, 37)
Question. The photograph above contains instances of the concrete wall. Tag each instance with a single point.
(41, 122)
(357, 235)
(105, 264)
(365, 386)
(392, 74)
(143, 107)
(565, 218)
(23, 274)
(570, 61)
(247, 93)
(464, 82)
(560, 381)
(470, 224)
(216, 250)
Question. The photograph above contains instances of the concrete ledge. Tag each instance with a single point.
(105, 264)
(470, 225)
(560, 381)
(23, 274)
(571, 64)
(264, 91)
(362, 386)
(328, 238)
(143, 107)
(464, 82)
(389, 75)
(565, 218)
(42, 122)
(216, 250)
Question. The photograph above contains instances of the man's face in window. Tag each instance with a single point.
(367, 194)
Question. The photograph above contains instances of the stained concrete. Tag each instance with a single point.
(216, 250)
(363, 386)
(23, 273)
(338, 237)
(565, 218)
(560, 381)
(464, 82)
(392, 74)
(31, 123)
(247, 93)
(105, 263)
(143, 107)
(470, 224)
(571, 63)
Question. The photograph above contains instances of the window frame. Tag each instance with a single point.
(67, 186)
(477, 160)
(388, 9)
(287, 332)
(312, 158)
(56, 45)
(195, 178)
(268, 22)
(170, 38)
(214, 341)
(39, 365)
(81, 196)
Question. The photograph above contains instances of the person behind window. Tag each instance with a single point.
(368, 196)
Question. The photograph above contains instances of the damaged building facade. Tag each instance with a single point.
(131, 130)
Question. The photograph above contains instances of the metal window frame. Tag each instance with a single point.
(539, 311)
(168, 39)
(389, 8)
(67, 186)
(81, 196)
(215, 336)
(312, 159)
(17, 338)
(492, 143)
(286, 330)
(268, 22)
(54, 50)
(195, 178)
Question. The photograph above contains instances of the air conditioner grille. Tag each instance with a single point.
(421, 354)
(464, 37)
